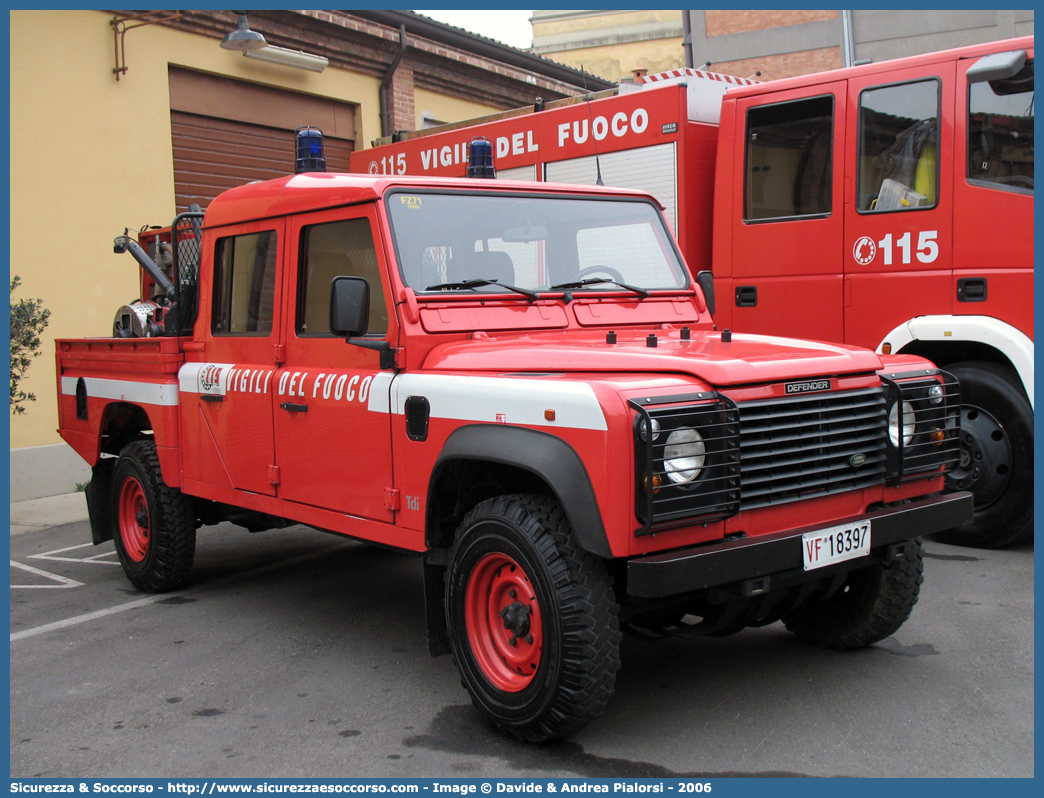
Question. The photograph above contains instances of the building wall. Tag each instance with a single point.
(778, 43)
(610, 44)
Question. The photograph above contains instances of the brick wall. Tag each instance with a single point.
(786, 65)
(721, 23)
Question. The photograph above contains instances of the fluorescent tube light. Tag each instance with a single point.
(290, 58)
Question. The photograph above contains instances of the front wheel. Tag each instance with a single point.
(154, 526)
(532, 619)
(996, 457)
(871, 605)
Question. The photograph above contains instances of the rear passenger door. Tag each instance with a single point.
(331, 399)
(788, 221)
(899, 216)
(234, 441)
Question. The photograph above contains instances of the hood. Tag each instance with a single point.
(743, 360)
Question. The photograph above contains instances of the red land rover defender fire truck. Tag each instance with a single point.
(522, 384)
(888, 205)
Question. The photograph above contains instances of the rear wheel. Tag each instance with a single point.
(872, 604)
(154, 526)
(532, 619)
(996, 462)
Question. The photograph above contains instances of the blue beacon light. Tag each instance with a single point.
(480, 158)
(310, 154)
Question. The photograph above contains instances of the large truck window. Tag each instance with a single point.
(898, 147)
(1000, 132)
(244, 284)
(331, 250)
(789, 153)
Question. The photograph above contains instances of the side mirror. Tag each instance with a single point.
(705, 280)
(349, 306)
(997, 66)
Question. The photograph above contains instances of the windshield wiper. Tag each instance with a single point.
(465, 285)
(592, 280)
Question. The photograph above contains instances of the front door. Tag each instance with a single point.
(899, 214)
(331, 399)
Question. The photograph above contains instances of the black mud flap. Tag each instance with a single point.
(434, 608)
(99, 500)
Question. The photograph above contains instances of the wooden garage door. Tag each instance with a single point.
(226, 133)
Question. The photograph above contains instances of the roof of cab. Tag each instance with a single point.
(314, 191)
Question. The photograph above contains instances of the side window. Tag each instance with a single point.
(788, 159)
(1000, 131)
(244, 284)
(332, 250)
(898, 146)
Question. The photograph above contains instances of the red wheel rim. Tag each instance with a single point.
(503, 620)
(134, 520)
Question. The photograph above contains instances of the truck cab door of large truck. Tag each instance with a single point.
(993, 193)
(331, 399)
(899, 209)
(786, 215)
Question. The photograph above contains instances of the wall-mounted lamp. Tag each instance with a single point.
(290, 58)
(242, 38)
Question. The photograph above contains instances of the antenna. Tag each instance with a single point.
(590, 121)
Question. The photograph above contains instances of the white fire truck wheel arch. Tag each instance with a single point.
(1006, 339)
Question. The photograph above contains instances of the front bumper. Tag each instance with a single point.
(771, 561)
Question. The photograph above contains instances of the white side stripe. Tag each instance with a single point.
(148, 393)
(505, 400)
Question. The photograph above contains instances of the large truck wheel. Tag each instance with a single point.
(996, 457)
(873, 603)
(154, 526)
(532, 619)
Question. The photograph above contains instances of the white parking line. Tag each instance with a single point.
(96, 559)
(63, 581)
(142, 602)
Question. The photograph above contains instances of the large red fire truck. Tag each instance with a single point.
(887, 205)
(522, 384)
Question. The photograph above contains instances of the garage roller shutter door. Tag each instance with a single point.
(212, 155)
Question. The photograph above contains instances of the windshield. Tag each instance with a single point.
(476, 243)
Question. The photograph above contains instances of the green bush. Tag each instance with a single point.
(28, 320)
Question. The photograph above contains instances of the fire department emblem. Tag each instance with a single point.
(210, 378)
(864, 251)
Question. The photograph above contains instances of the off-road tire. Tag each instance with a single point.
(564, 676)
(874, 602)
(154, 528)
(996, 426)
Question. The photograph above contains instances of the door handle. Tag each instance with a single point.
(212, 397)
(971, 289)
(746, 296)
(294, 408)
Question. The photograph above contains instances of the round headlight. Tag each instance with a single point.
(935, 394)
(907, 424)
(684, 455)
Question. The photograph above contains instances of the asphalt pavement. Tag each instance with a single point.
(297, 653)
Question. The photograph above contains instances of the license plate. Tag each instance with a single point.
(835, 544)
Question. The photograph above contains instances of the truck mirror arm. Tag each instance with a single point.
(385, 348)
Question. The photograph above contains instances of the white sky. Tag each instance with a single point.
(508, 27)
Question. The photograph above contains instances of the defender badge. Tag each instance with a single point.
(807, 387)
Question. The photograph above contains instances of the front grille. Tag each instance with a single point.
(797, 448)
(780, 450)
